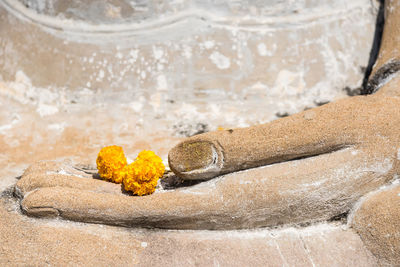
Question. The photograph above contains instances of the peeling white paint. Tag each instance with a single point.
(59, 127)
(209, 44)
(155, 100)
(136, 106)
(289, 83)
(16, 118)
(157, 53)
(161, 82)
(4, 128)
(262, 50)
(64, 172)
(101, 74)
(187, 51)
(46, 110)
(221, 61)
(134, 54)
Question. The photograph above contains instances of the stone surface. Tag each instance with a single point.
(377, 221)
(33, 241)
(389, 53)
(347, 159)
(76, 134)
(27, 241)
(279, 60)
(65, 93)
(322, 130)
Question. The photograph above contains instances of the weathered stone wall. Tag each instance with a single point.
(208, 63)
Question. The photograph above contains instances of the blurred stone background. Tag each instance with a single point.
(82, 74)
(186, 64)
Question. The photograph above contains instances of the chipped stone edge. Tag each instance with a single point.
(384, 75)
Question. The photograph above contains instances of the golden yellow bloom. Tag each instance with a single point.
(142, 175)
(153, 160)
(111, 162)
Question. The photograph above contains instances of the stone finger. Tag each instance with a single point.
(312, 132)
(51, 174)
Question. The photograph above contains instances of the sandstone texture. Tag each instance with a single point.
(27, 241)
(388, 61)
(69, 86)
(377, 221)
(346, 160)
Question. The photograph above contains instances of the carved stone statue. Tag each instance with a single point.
(338, 159)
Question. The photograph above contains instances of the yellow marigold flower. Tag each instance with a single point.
(142, 175)
(153, 159)
(111, 162)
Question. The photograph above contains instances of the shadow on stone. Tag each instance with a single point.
(170, 181)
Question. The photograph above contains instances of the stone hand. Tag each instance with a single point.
(308, 167)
